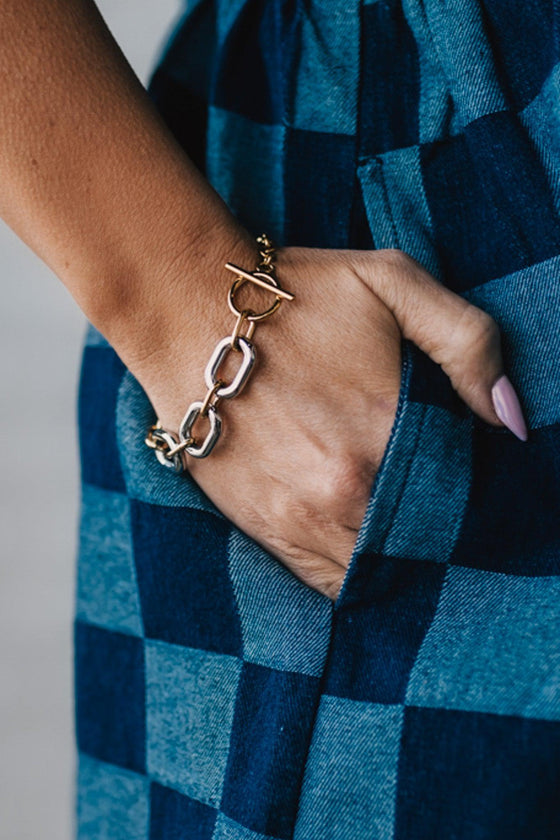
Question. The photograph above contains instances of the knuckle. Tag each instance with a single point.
(293, 512)
(477, 330)
(344, 485)
(395, 258)
(491, 331)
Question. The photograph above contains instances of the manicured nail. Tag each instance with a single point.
(507, 407)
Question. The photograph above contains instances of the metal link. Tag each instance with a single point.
(165, 450)
(213, 388)
(152, 441)
(268, 252)
(180, 446)
(224, 347)
(168, 447)
(236, 334)
(265, 281)
(190, 418)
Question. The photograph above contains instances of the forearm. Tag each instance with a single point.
(94, 182)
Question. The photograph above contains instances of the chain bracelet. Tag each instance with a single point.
(169, 447)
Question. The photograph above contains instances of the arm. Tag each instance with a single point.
(96, 185)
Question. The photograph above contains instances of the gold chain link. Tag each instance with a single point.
(268, 254)
(241, 319)
(155, 443)
(208, 398)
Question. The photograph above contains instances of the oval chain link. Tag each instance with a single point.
(223, 348)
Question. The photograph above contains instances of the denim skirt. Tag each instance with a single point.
(217, 697)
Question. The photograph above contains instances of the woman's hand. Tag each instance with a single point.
(97, 186)
(302, 443)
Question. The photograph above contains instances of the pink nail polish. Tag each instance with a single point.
(507, 407)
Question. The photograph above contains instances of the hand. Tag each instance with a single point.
(302, 443)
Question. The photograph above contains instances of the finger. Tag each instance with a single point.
(459, 336)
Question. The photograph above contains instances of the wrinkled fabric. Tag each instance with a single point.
(217, 697)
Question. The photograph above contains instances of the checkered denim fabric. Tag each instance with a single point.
(218, 698)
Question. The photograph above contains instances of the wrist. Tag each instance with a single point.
(132, 292)
(166, 323)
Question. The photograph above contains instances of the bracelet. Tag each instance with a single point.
(169, 447)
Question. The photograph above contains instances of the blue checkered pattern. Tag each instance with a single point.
(218, 698)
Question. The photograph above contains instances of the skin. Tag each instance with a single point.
(95, 184)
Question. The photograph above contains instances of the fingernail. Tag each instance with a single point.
(507, 407)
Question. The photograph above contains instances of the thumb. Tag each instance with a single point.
(460, 337)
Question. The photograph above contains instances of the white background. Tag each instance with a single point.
(41, 332)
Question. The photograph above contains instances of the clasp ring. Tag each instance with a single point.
(264, 281)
